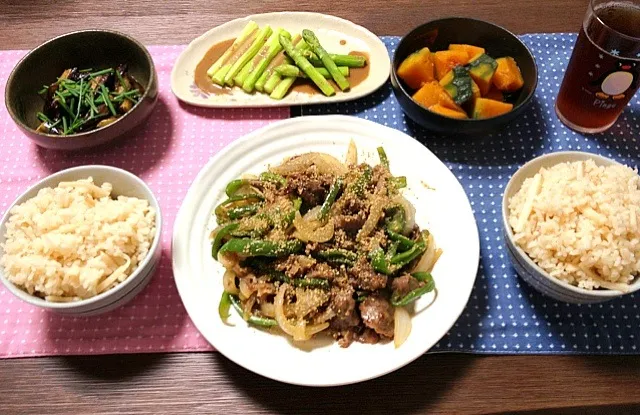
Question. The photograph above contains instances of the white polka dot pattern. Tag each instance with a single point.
(167, 153)
(504, 315)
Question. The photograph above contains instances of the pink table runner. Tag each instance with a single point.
(167, 153)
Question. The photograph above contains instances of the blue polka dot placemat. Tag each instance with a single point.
(504, 314)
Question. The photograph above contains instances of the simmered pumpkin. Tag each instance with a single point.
(488, 108)
(417, 69)
(495, 94)
(470, 50)
(433, 93)
(448, 112)
(476, 89)
(507, 77)
(446, 60)
(458, 84)
(481, 69)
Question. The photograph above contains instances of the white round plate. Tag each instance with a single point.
(330, 31)
(441, 206)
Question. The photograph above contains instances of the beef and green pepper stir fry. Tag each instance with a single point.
(316, 244)
(82, 100)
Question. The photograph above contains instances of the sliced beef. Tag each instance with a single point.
(311, 186)
(404, 284)
(296, 265)
(350, 223)
(377, 314)
(321, 270)
(343, 304)
(368, 336)
(364, 277)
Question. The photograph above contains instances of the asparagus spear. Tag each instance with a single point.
(313, 42)
(308, 69)
(267, 54)
(351, 61)
(260, 40)
(276, 80)
(292, 70)
(244, 35)
(242, 75)
(269, 72)
(218, 77)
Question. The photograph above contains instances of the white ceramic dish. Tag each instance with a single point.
(524, 266)
(330, 31)
(124, 183)
(442, 207)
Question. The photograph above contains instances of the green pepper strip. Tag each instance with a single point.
(399, 182)
(339, 256)
(288, 220)
(300, 282)
(217, 240)
(403, 258)
(405, 243)
(413, 295)
(380, 263)
(255, 320)
(242, 211)
(234, 186)
(223, 307)
(393, 249)
(220, 209)
(395, 222)
(268, 176)
(259, 247)
(331, 198)
(384, 160)
(363, 181)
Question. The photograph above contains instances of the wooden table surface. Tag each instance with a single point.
(207, 382)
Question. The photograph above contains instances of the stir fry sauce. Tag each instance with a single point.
(317, 245)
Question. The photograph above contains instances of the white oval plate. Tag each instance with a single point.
(441, 206)
(330, 31)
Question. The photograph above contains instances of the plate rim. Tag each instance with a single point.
(281, 103)
(191, 193)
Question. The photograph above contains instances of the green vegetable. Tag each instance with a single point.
(338, 256)
(413, 295)
(404, 242)
(237, 44)
(336, 187)
(238, 80)
(251, 319)
(458, 84)
(267, 176)
(278, 86)
(380, 263)
(238, 212)
(234, 186)
(243, 205)
(403, 258)
(396, 219)
(300, 282)
(267, 54)
(331, 66)
(384, 160)
(253, 50)
(220, 235)
(260, 247)
(400, 182)
(293, 71)
(350, 61)
(392, 262)
(223, 307)
(308, 69)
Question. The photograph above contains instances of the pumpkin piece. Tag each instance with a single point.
(476, 90)
(488, 108)
(495, 94)
(457, 83)
(433, 93)
(481, 69)
(446, 60)
(448, 112)
(470, 50)
(417, 69)
(507, 77)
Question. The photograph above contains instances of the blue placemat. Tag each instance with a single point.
(505, 315)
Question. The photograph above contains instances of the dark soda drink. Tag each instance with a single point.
(604, 71)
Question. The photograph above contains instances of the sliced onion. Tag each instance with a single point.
(315, 329)
(376, 211)
(409, 212)
(402, 326)
(268, 309)
(352, 154)
(229, 282)
(309, 231)
(228, 260)
(245, 290)
(429, 258)
(294, 330)
(325, 164)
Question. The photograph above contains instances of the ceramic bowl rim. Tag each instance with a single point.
(84, 134)
(120, 289)
(535, 270)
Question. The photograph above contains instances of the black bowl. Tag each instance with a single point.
(438, 35)
(96, 49)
